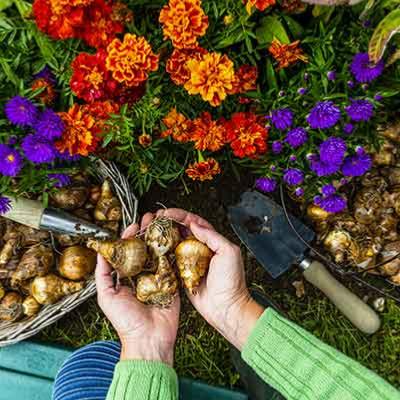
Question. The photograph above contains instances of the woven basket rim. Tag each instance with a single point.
(14, 332)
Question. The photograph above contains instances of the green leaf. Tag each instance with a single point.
(271, 77)
(5, 4)
(389, 26)
(394, 57)
(294, 27)
(271, 27)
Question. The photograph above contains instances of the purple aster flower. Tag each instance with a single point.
(350, 84)
(360, 110)
(302, 91)
(292, 158)
(378, 97)
(299, 192)
(20, 111)
(348, 129)
(363, 70)
(328, 190)
(293, 177)
(324, 115)
(282, 118)
(332, 150)
(47, 74)
(272, 168)
(277, 147)
(321, 168)
(10, 161)
(61, 180)
(49, 125)
(331, 75)
(357, 165)
(296, 137)
(38, 149)
(333, 203)
(5, 205)
(12, 140)
(266, 184)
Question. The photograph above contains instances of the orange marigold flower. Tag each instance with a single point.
(131, 60)
(287, 54)
(259, 4)
(245, 79)
(145, 140)
(81, 134)
(48, 95)
(179, 127)
(248, 138)
(60, 6)
(176, 64)
(208, 134)
(212, 77)
(101, 110)
(203, 170)
(183, 22)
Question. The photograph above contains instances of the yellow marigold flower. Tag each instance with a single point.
(212, 77)
(203, 170)
(228, 19)
(287, 54)
(183, 22)
(131, 60)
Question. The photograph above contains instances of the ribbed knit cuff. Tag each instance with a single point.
(143, 380)
(300, 366)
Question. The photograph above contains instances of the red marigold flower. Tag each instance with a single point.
(100, 26)
(129, 95)
(247, 137)
(48, 95)
(60, 6)
(259, 4)
(83, 127)
(145, 140)
(183, 22)
(179, 127)
(208, 134)
(176, 64)
(131, 60)
(211, 76)
(287, 54)
(91, 80)
(203, 170)
(245, 79)
(121, 13)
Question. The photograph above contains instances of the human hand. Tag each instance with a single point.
(146, 332)
(222, 298)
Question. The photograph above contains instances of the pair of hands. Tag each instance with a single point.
(149, 332)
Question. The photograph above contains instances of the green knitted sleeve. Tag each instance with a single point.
(143, 380)
(301, 367)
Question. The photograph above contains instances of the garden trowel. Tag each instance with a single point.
(263, 227)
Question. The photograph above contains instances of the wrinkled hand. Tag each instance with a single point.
(146, 332)
(222, 298)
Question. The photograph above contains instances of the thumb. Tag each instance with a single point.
(216, 242)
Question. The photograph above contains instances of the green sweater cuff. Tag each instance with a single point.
(142, 380)
(302, 367)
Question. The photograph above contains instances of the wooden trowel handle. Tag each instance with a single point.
(360, 314)
(26, 212)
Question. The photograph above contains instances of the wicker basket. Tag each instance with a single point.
(13, 332)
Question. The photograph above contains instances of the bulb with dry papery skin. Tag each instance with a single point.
(83, 213)
(36, 261)
(393, 175)
(77, 262)
(366, 253)
(50, 288)
(391, 131)
(392, 267)
(94, 194)
(386, 155)
(386, 226)
(375, 180)
(127, 256)
(26, 235)
(11, 307)
(162, 236)
(340, 244)
(108, 207)
(2, 291)
(159, 288)
(316, 213)
(193, 259)
(9, 250)
(30, 306)
(112, 226)
(7, 270)
(70, 197)
(68, 240)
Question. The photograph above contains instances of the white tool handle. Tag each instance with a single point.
(360, 314)
(26, 212)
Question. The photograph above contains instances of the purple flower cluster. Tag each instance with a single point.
(21, 112)
(277, 147)
(49, 125)
(333, 203)
(5, 205)
(324, 115)
(293, 177)
(332, 150)
(363, 70)
(60, 180)
(360, 110)
(358, 164)
(282, 118)
(10, 161)
(38, 149)
(266, 185)
(296, 137)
